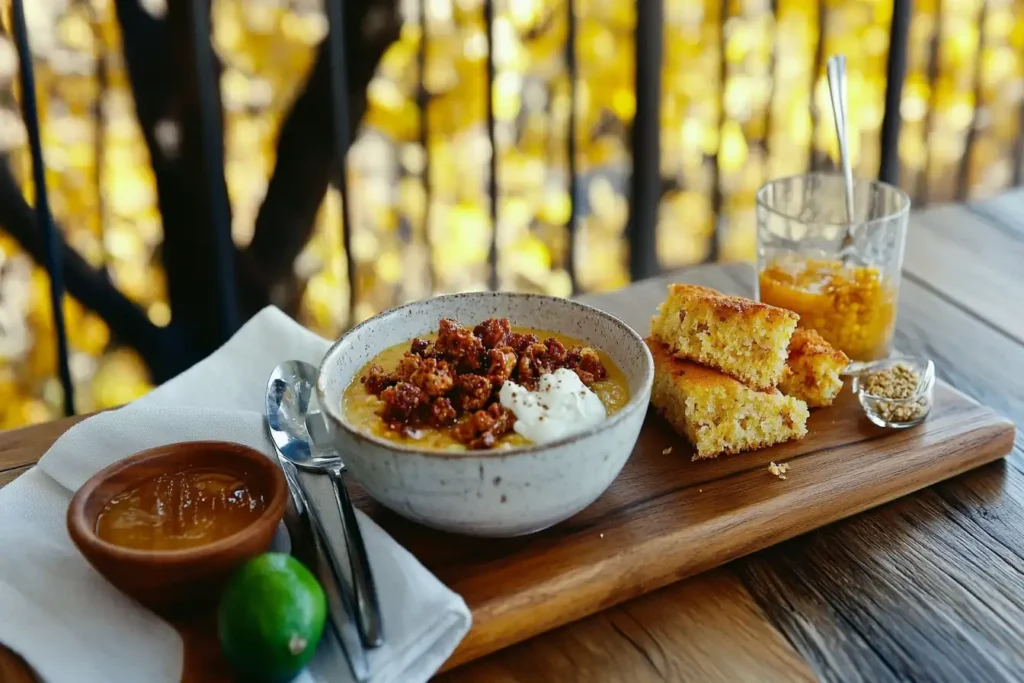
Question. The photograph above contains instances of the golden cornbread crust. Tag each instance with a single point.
(725, 302)
(807, 342)
(741, 337)
(717, 413)
(813, 369)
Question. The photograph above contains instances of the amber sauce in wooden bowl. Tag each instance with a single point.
(168, 526)
(180, 510)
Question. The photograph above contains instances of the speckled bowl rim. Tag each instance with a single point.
(636, 400)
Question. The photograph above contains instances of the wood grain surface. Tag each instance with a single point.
(924, 588)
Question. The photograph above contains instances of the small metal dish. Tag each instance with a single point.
(895, 413)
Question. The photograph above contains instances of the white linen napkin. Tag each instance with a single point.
(72, 626)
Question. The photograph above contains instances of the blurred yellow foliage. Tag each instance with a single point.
(741, 103)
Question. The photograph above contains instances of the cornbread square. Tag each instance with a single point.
(717, 413)
(740, 337)
(812, 370)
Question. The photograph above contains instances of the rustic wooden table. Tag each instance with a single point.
(930, 587)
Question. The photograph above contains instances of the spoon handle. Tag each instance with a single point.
(367, 606)
(836, 70)
(315, 547)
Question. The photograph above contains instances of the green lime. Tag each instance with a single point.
(271, 616)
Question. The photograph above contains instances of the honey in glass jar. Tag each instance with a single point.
(851, 306)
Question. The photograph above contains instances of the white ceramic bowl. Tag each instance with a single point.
(489, 493)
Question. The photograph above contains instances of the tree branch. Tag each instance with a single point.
(160, 63)
(305, 160)
(160, 60)
(160, 348)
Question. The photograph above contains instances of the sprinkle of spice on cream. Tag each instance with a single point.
(561, 405)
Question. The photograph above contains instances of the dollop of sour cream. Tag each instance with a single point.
(562, 404)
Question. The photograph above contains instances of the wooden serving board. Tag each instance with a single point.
(666, 517)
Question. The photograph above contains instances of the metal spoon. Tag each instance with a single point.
(836, 70)
(289, 397)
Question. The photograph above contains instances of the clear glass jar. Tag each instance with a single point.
(849, 294)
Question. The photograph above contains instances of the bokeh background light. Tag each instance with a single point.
(743, 99)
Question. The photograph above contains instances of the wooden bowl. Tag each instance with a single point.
(172, 581)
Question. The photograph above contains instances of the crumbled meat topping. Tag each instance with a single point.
(500, 365)
(483, 428)
(494, 332)
(377, 380)
(433, 377)
(519, 342)
(442, 412)
(402, 402)
(474, 392)
(459, 345)
(589, 367)
(420, 347)
(453, 381)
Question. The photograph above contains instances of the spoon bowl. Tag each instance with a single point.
(290, 395)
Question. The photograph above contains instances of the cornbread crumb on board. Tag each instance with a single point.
(666, 451)
(779, 470)
(741, 337)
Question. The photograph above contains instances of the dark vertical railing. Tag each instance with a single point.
(772, 82)
(921, 191)
(492, 177)
(1018, 151)
(816, 70)
(570, 67)
(645, 184)
(100, 123)
(44, 219)
(212, 136)
(716, 169)
(895, 73)
(963, 179)
(423, 102)
(342, 136)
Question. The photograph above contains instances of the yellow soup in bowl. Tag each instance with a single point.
(465, 389)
